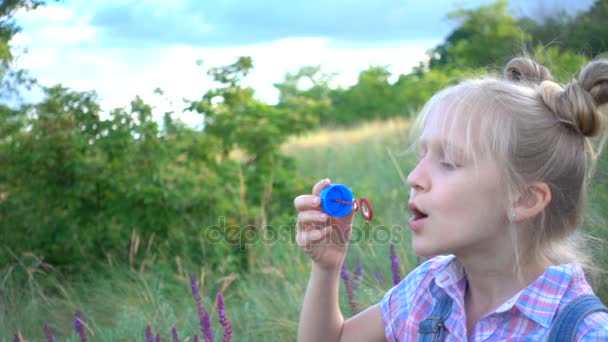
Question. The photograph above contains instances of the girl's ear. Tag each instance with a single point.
(531, 201)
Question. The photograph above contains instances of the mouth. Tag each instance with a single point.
(418, 216)
(417, 213)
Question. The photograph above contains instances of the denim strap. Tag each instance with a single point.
(433, 329)
(568, 320)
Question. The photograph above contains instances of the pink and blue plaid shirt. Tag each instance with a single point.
(527, 316)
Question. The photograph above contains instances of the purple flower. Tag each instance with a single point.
(203, 315)
(195, 338)
(221, 311)
(395, 265)
(358, 275)
(17, 337)
(149, 337)
(48, 334)
(174, 333)
(344, 274)
(157, 337)
(79, 326)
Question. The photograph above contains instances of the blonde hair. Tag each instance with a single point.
(536, 130)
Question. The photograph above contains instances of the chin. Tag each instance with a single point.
(423, 250)
(427, 250)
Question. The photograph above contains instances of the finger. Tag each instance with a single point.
(307, 202)
(316, 190)
(304, 238)
(311, 219)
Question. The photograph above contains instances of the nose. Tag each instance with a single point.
(419, 179)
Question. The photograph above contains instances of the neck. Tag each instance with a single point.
(493, 279)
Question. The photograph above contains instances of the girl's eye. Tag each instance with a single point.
(448, 165)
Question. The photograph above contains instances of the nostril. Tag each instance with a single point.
(416, 181)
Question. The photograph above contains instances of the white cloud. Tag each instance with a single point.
(273, 60)
(45, 15)
(64, 49)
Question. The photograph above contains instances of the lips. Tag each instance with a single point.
(418, 216)
(417, 213)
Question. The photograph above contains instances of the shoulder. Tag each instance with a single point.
(420, 277)
(410, 298)
(594, 327)
(397, 301)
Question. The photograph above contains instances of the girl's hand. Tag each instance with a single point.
(324, 238)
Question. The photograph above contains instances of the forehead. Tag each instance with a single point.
(464, 116)
(450, 124)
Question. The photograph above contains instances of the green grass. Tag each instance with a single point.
(117, 302)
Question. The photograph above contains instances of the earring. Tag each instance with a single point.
(513, 215)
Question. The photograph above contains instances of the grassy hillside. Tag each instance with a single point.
(119, 301)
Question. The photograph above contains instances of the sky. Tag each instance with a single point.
(124, 48)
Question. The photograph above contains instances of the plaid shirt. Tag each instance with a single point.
(527, 316)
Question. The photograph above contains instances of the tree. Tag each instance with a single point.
(11, 79)
(371, 98)
(235, 120)
(565, 65)
(309, 82)
(584, 33)
(306, 94)
(487, 35)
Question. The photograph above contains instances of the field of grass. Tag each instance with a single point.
(117, 302)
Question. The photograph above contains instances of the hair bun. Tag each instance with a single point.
(578, 104)
(594, 79)
(526, 70)
(574, 107)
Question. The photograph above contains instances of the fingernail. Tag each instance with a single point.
(323, 217)
(316, 201)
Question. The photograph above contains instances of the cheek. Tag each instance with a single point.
(455, 209)
(456, 195)
(470, 201)
(488, 205)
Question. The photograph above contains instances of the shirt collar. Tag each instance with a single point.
(450, 274)
(539, 301)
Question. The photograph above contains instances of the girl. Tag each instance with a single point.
(496, 197)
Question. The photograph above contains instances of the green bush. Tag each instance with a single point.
(78, 189)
